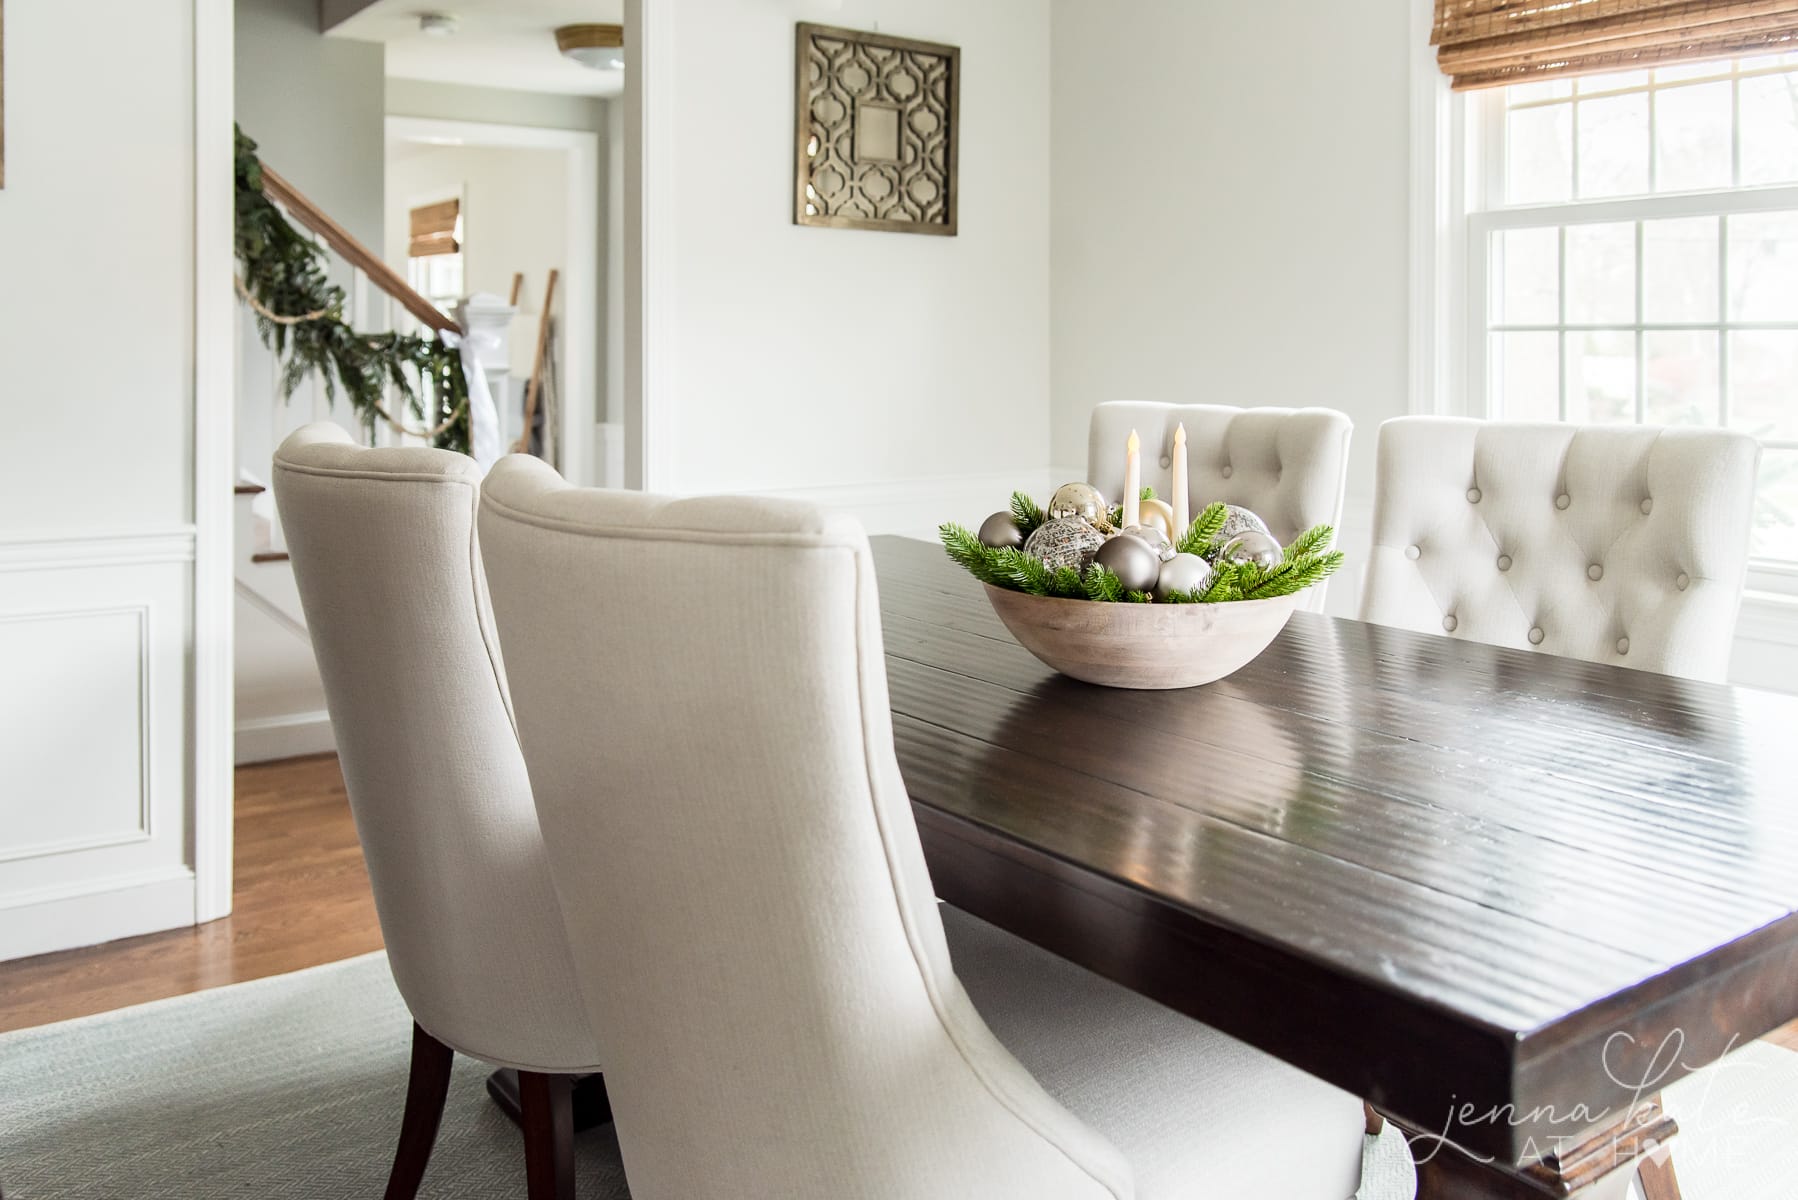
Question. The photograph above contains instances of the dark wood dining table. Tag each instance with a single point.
(1503, 897)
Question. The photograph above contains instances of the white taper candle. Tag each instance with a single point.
(1133, 480)
(1177, 485)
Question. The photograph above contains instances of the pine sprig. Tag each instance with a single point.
(1204, 530)
(1103, 584)
(1314, 540)
(1025, 513)
(971, 554)
(1066, 583)
(1293, 575)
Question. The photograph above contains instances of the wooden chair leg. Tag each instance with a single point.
(426, 1090)
(546, 1103)
(1656, 1178)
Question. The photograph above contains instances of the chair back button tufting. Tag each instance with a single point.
(1594, 572)
(1562, 501)
(1647, 506)
(1449, 623)
(1227, 471)
(1473, 495)
(1504, 562)
(1167, 460)
(1413, 553)
(1536, 637)
(1683, 581)
(1623, 645)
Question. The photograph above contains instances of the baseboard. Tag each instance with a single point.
(290, 735)
(95, 911)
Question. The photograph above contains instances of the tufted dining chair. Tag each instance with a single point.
(1287, 465)
(389, 573)
(753, 922)
(1615, 544)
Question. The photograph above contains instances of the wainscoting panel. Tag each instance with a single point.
(95, 739)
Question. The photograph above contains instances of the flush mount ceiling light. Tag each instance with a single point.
(436, 24)
(600, 47)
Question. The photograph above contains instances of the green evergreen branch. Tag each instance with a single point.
(1314, 540)
(1204, 530)
(284, 273)
(1025, 513)
(1103, 584)
(1066, 583)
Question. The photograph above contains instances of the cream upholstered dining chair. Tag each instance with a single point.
(752, 920)
(1286, 465)
(1615, 544)
(389, 573)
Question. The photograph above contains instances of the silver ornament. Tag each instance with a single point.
(1252, 546)
(1000, 530)
(1132, 560)
(1183, 573)
(1157, 540)
(1064, 542)
(1079, 500)
(1238, 519)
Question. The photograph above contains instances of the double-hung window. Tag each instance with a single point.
(1633, 257)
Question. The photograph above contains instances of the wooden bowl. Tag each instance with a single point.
(1151, 646)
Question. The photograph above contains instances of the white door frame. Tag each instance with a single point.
(215, 455)
(582, 406)
(651, 346)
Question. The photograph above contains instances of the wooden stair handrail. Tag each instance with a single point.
(354, 252)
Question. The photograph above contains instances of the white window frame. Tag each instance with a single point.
(1457, 149)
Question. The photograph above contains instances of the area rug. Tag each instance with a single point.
(293, 1087)
(284, 1087)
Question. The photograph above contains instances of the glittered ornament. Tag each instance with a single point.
(1252, 546)
(1155, 537)
(1183, 573)
(1132, 560)
(1238, 519)
(1157, 514)
(1079, 500)
(1064, 542)
(1000, 530)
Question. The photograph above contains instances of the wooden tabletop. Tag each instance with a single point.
(1430, 871)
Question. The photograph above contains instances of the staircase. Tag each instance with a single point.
(280, 703)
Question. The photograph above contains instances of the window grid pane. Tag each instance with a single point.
(1686, 315)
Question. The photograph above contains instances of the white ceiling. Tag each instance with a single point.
(497, 43)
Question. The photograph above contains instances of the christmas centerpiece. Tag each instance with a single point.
(1140, 594)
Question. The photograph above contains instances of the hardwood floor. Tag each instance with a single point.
(302, 899)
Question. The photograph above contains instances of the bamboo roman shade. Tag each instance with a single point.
(434, 229)
(1488, 43)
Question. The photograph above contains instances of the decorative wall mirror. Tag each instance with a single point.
(878, 123)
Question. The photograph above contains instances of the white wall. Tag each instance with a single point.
(807, 358)
(98, 540)
(1230, 195)
(314, 106)
(499, 106)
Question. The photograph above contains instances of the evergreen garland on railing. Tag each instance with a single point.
(299, 315)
